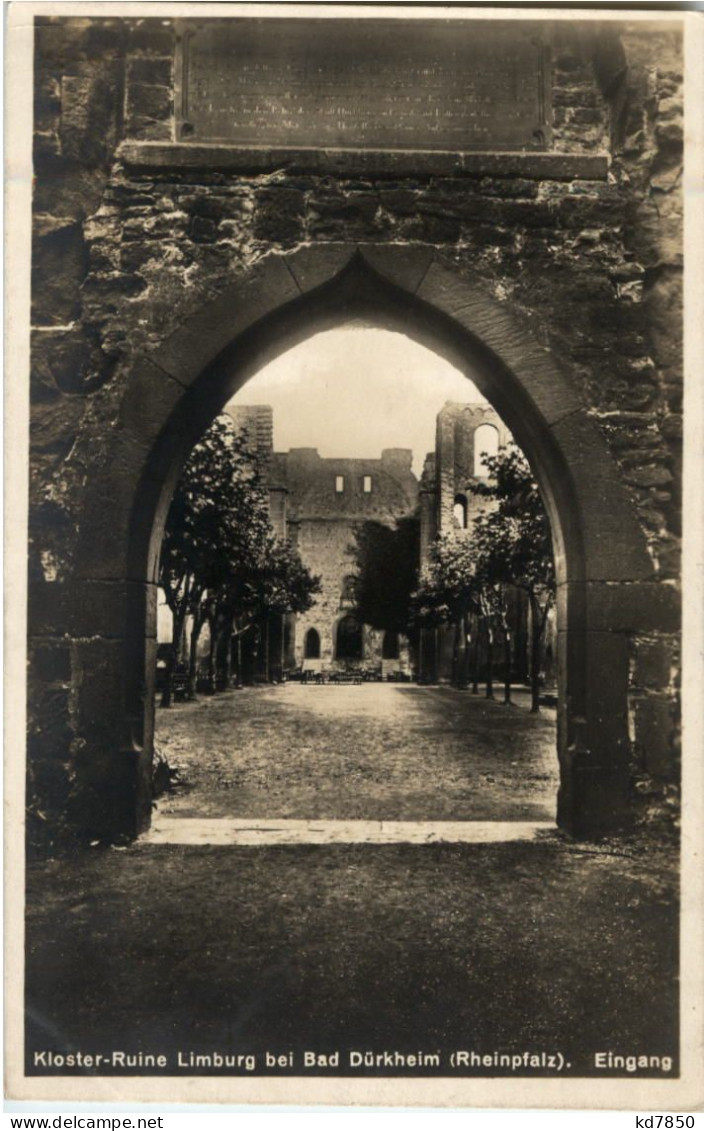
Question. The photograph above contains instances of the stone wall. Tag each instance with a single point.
(455, 461)
(130, 241)
(321, 523)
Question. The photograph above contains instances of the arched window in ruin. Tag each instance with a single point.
(312, 644)
(389, 647)
(349, 639)
(486, 443)
(460, 511)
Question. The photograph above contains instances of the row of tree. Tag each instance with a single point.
(221, 563)
(468, 580)
(222, 566)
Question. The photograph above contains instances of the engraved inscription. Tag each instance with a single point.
(389, 84)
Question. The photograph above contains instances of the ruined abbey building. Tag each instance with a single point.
(318, 504)
(510, 198)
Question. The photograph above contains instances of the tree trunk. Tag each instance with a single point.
(168, 676)
(238, 681)
(176, 636)
(489, 662)
(267, 651)
(475, 659)
(462, 680)
(507, 664)
(536, 632)
(210, 677)
(456, 644)
(198, 622)
(420, 654)
(227, 666)
(467, 655)
(283, 646)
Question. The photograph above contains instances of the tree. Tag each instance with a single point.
(216, 525)
(514, 543)
(493, 585)
(449, 593)
(276, 584)
(387, 572)
(468, 578)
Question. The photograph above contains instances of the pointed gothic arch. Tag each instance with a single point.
(173, 394)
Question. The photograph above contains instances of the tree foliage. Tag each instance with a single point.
(514, 537)
(509, 544)
(220, 560)
(281, 582)
(217, 521)
(448, 587)
(387, 572)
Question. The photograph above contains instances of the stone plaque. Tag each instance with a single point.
(364, 84)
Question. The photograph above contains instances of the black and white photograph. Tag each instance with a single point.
(354, 513)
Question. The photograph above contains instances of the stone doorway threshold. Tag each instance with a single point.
(253, 833)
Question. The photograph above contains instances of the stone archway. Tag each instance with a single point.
(605, 574)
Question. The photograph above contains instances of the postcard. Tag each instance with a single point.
(355, 434)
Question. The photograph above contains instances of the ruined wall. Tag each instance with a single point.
(455, 465)
(126, 247)
(321, 522)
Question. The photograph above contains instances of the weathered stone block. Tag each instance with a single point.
(405, 265)
(312, 266)
(150, 70)
(606, 210)
(615, 548)
(106, 608)
(49, 608)
(203, 230)
(279, 215)
(438, 229)
(147, 104)
(626, 607)
(402, 201)
(151, 39)
(59, 266)
(53, 429)
(508, 188)
(89, 107)
(653, 476)
(156, 226)
(654, 663)
(669, 133)
(113, 285)
(51, 661)
(50, 729)
(654, 732)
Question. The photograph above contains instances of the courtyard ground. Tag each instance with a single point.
(378, 751)
(546, 947)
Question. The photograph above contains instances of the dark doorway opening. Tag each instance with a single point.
(349, 639)
(312, 646)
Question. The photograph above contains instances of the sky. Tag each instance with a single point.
(354, 390)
